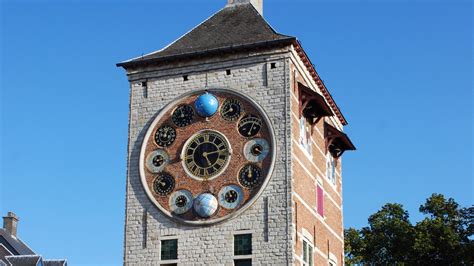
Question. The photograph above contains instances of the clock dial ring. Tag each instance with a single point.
(183, 115)
(157, 161)
(250, 176)
(206, 155)
(256, 150)
(163, 184)
(231, 109)
(181, 201)
(230, 197)
(249, 125)
(228, 176)
(165, 136)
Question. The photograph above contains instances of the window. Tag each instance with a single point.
(331, 168)
(243, 250)
(308, 259)
(320, 195)
(169, 249)
(243, 262)
(305, 135)
(332, 259)
(243, 244)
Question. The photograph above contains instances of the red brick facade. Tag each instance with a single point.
(324, 232)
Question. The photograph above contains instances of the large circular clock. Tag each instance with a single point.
(206, 154)
(203, 169)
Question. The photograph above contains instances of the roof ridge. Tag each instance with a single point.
(233, 25)
(16, 242)
(266, 21)
(179, 38)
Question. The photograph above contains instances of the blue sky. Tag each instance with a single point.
(401, 71)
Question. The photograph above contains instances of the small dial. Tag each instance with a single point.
(183, 115)
(181, 201)
(157, 160)
(256, 150)
(250, 176)
(249, 126)
(206, 155)
(231, 196)
(165, 136)
(231, 109)
(163, 184)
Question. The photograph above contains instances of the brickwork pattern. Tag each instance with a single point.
(309, 171)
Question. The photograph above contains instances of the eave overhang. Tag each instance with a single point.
(205, 53)
(337, 142)
(319, 82)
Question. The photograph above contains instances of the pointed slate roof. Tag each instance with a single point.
(232, 28)
(13, 244)
(24, 260)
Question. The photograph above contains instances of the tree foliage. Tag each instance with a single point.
(443, 237)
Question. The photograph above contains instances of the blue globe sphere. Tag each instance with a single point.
(206, 105)
(205, 205)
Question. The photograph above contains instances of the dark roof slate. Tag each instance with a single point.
(3, 253)
(54, 262)
(232, 27)
(24, 260)
(9, 241)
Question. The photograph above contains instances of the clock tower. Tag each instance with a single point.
(234, 150)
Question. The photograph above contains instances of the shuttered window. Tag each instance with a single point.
(320, 195)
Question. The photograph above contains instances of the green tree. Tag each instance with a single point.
(443, 237)
(354, 246)
(386, 241)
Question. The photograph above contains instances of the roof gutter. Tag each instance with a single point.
(235, 48)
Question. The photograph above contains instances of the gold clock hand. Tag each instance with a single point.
(230, 109)
(213, 152)
(204, 154)
(253, 124)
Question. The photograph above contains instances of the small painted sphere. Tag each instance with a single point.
(205, 205)
(206, 105)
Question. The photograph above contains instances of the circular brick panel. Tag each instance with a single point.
(228, 177)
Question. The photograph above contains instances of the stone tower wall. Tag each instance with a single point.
(265, 77)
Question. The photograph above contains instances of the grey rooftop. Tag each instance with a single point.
(232, 28)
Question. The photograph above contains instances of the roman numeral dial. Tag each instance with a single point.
(206, 155)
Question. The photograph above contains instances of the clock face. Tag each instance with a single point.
(231, 109)
(230, 196)
(165, 136)
(250, 176)
(163, 184)
(256, 150)
(250, 125)
(204, 169)
(183, 115)
(181, 201)
(157, 161)
(206, 155)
